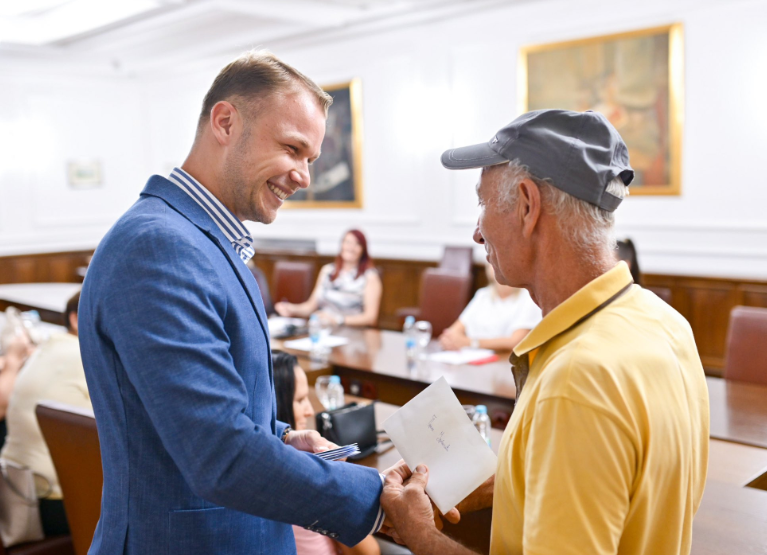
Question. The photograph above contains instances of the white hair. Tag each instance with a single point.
(589, 228)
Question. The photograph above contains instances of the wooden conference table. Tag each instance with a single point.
(49, 299)
(373, 365)
(738, 411)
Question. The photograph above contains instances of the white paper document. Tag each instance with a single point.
(279, 325)
(305, 344)
(464, 356)
(433, 429)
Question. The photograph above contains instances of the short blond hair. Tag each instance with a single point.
(254, 76)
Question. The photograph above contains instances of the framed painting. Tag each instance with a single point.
(635, 79)
(336, 176)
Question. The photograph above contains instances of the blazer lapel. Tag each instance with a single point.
(162, 188)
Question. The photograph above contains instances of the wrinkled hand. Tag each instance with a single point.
(410, 514)
(451, 340)
(310, 441)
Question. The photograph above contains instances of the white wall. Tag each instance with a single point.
(46, 122)
(426, 88)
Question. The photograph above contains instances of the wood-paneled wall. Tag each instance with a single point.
(705, 302)
(58, 267)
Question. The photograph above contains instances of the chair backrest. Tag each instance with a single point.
(627, 251)
(263, 287)
(746, 355)
(457, 259)
(73, 441)
(292, 281)
(444, 295)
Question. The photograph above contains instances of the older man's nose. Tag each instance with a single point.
(478, 236)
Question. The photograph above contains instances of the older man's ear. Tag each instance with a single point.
(528, 206)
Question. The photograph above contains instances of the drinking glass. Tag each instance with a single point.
(322, 387)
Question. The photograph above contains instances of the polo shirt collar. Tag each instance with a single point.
(577, 307)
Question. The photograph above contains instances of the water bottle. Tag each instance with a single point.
(335, 393)
(315, 335)
(411, 341)
(482, 422)
(31, 321)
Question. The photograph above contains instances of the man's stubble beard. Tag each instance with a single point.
(245, 197)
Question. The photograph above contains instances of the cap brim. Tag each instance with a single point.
(474, 156)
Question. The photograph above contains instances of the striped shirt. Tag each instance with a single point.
(232, 228)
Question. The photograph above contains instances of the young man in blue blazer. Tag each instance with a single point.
(176, 349)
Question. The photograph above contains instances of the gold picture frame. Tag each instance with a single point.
(336, 176)
(636, 79)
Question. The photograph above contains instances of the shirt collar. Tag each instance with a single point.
(232, 228)
(580, 305)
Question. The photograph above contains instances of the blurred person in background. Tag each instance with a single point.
(497, 318)
(53, 373)
(348, 291)
(291, 388)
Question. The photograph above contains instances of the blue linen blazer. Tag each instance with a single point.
(176, 352)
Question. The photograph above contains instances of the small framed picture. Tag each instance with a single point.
(84, 174)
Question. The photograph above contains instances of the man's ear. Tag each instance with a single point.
(528, 206)
(224, 118)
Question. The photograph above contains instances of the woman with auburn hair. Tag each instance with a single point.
(348, 291)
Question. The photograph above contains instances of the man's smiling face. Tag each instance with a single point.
(271, 160)
(498, 228)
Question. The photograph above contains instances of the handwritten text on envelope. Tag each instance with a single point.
(433, 429)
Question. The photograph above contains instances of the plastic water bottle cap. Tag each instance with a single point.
(410, 320)
(335, 379)
(481, 409)
(313, 318)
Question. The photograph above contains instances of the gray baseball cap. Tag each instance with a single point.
(580, 152)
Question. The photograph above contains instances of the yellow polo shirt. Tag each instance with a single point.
(607, 448)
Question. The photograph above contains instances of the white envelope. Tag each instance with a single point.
(433, 429)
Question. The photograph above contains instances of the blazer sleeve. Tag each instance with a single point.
(164, 313)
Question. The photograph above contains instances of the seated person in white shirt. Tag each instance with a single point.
(54, 373)
(497, 318)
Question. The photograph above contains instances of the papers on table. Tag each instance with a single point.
(433, 429)
(340, 453)
(464, 356)
(280, 326)
(305, 344)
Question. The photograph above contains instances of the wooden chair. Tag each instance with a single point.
(73, 441)
(444, 295)
(628, 252)
(457, 259)
(263, 287)
(745, 359)
(58, 545)
(292, 281)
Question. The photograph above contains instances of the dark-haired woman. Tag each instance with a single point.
(348, 291)
(294, 407)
